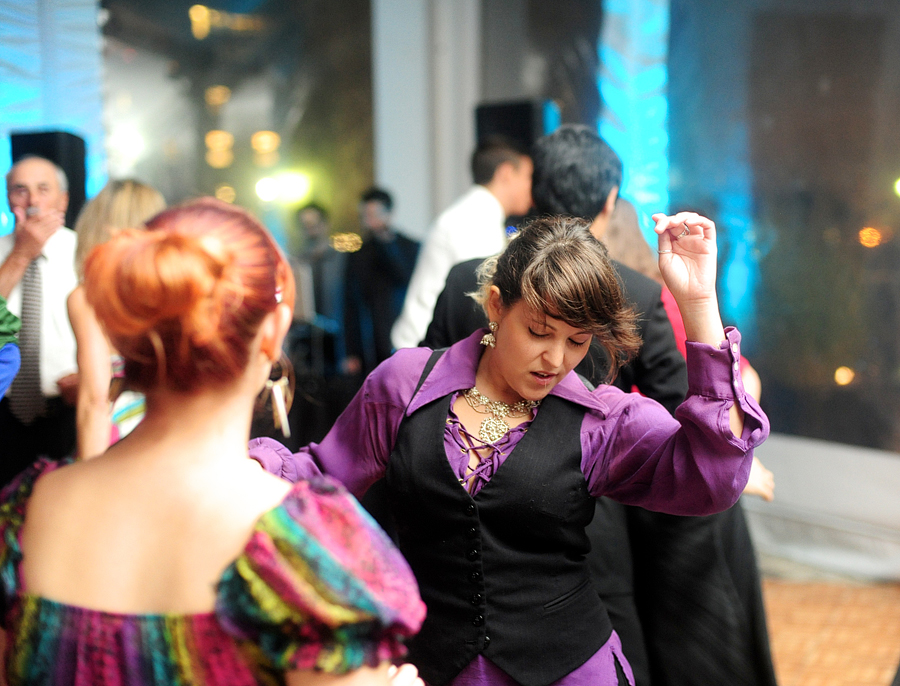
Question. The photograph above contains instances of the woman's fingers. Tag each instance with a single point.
(405, 675)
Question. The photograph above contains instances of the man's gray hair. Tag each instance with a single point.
(61, 177)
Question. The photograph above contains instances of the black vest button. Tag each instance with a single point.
(475, 576)
(487, 642)
(477, 599)
(470, 509)
(472, 533)
(478, 620)
(472, 554)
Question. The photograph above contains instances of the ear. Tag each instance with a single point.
(63, 202)
(273, 329)
(503, 172)
(601, 221)
(494, 305)
(610, 205)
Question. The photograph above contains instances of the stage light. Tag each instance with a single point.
(294, 187)
(870, 237)
(267, 189)
(897, 186)
(843, 376)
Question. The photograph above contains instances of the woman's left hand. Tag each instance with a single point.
(687, 257)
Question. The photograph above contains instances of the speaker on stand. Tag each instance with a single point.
(522, 122)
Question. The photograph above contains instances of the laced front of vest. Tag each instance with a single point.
(489, 456)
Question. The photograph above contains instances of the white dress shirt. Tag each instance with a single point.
(471, 227)
(58, 279)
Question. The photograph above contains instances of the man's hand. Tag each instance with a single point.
(33, 230)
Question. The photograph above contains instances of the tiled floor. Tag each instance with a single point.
(832, 632)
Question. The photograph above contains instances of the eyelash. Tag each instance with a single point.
(544, 335)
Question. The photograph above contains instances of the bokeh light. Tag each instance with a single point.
(265, 141)
(216, 96)
(844, 376)
(346, 242)
(226, 192)
(200, 21)
(267, 189)
(219, 159)
(294, 187)
(870, 237)
(219, 140)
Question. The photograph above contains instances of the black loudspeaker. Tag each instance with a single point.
(63, 148)
(523, 122)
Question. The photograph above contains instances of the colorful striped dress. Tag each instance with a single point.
(318, 586)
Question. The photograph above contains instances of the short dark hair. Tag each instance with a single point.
(559, 269)
(379, 195)
(315, 207)
(491, 153)
(574, 172)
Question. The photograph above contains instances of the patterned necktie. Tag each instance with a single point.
(26, 400)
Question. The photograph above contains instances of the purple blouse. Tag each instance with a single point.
(632, 450)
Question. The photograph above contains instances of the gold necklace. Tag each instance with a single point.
(495, 427)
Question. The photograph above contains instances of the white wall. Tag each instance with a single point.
(426, 63)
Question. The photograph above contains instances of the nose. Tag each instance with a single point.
(554, 354)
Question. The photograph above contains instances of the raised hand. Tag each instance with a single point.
(687, 262)
(687, 255)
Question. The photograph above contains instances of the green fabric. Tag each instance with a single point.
(9, 324)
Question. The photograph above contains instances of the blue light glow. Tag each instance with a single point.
(632, 81)
(50, 68)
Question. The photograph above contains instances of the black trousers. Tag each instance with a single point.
(52, 435)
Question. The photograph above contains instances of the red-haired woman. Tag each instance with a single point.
(172, 558)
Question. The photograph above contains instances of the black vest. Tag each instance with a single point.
(502, 573)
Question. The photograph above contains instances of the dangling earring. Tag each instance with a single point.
(279, 389)
(489, 338)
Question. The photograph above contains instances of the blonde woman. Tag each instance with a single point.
(121, 204)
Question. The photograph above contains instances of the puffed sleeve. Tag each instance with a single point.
(320, 586)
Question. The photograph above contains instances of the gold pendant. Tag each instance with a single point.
(492, 430)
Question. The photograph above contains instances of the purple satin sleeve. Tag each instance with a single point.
(357, 448)
(688, 465)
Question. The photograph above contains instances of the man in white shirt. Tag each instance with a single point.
(37, 192)
(473, 226)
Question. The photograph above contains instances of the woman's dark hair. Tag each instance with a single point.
(558, 268)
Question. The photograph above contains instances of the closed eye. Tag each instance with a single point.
(536, 334)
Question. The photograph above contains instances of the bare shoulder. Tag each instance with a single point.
(56, 492)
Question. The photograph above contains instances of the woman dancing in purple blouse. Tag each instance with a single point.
(494, 449)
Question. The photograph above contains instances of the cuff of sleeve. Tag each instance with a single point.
(715, 371)
(274, 458)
